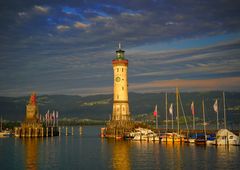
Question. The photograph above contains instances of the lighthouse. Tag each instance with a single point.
(120, 123)
(120, 87)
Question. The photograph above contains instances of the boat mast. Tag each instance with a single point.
(172, 120)
(193, 114)
(1, 124)
(217, 117)
(180, 100)
(166, 112)
(177, 110)
(204, 123)
(224, 109)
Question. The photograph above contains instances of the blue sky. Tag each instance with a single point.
(66, 46)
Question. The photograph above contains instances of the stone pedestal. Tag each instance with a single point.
(118, 128)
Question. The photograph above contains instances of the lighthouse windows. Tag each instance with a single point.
(117, 69)
(122, 69)
(122, 88)
(118, 108)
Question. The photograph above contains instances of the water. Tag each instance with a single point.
(91, 152)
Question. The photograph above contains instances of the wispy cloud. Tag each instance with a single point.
(41, 9)
(189, 85)
(67, 43)
(22, 14)
(80, 25)
(63, 27)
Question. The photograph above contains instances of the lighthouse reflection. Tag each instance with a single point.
(120, 155)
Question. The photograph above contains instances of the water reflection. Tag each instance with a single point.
(31, 153)
(120, 155)
(174, 155)
(225, 156)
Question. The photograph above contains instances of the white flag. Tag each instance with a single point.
(171, 109)
(192, 108)
(53, 115)
(215, 106)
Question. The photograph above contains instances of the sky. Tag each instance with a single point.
(67, 46)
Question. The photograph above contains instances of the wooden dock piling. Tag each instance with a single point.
(66, 131)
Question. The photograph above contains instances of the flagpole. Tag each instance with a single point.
(57, 118)
(156, 119)
(166, 113)
(1, 124)
(224, 108)
(193, 122)
(217, 118)
(204, 124)
(177, 110)
(193, 113)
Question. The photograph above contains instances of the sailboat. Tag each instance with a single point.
(224, 136)
(4, 133)
(173, 137)
(201, 139)
(192, 137)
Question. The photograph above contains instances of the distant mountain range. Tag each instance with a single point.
(100, 106)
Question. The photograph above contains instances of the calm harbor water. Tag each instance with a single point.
(91, 152)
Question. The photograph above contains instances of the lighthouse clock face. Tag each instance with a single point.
(117, 79)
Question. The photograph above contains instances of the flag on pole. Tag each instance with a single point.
(155, 111)
(53, 115)
(192, 108)
(171, 109)
(215, 106)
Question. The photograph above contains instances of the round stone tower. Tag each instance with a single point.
(120, 87)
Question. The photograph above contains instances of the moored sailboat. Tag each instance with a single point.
(142, 134)
(225, 136)
(4, 133)
(201, 140)
(174, 136)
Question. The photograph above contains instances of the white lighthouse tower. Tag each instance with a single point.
(120, 122)
(120, 87)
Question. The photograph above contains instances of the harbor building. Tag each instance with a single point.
(120, 120)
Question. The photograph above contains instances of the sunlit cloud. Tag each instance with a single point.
(64, 43)
(189, 85)
(80, 25)
(63, 27)
(41, 9)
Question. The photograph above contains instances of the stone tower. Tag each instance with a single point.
(120, 122)
(120, 87)
(32, 109)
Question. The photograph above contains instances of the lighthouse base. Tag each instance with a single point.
(118, 129)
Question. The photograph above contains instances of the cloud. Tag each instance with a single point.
(189, 85)
(41, 9)
(22, 14)
(63, 27)
(52, 47)
(80, 25)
